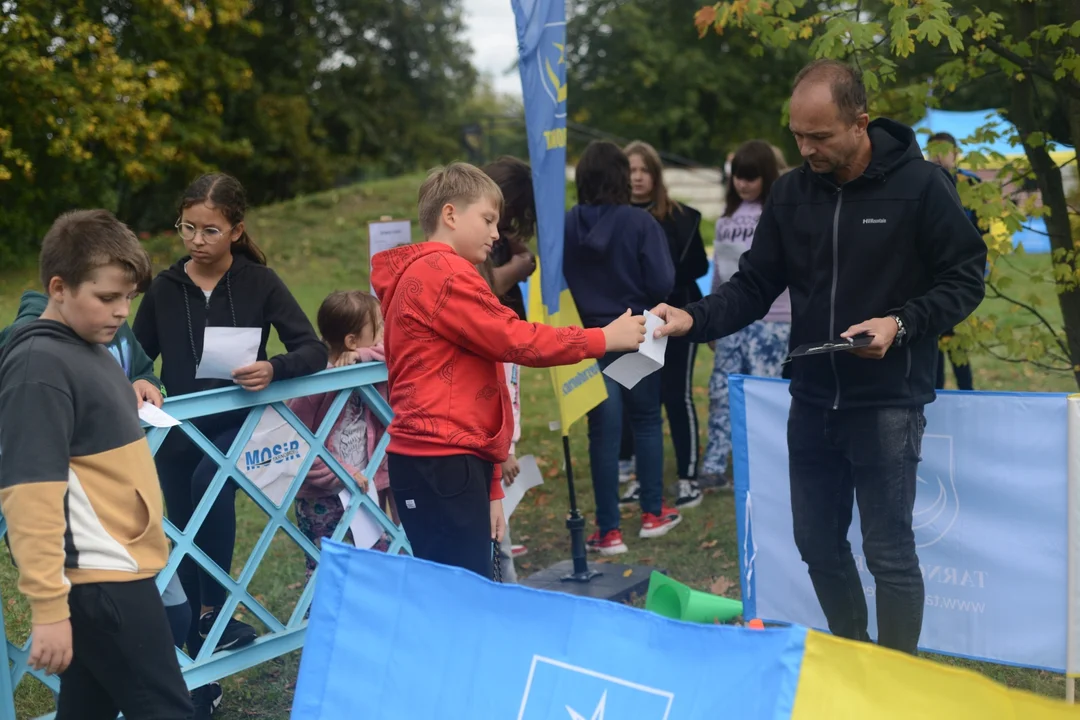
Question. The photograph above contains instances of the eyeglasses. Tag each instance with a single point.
(210, 235)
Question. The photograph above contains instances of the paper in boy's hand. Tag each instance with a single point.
(631, 368)
(156, 417)
(528, 478)
(226, 349)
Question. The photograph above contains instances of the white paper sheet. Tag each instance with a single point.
(528, 478)
(631, 368)
(153, 415)
(226, 349)
(365, 531)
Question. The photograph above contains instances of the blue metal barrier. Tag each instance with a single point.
(282, 638)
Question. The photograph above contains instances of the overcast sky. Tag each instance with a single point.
(490, 30)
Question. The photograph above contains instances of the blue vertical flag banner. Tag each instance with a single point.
(541, 31)
(990, 521)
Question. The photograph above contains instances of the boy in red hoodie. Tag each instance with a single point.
(446, 337)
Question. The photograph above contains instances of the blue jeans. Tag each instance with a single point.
(869, 455)
(642, 406)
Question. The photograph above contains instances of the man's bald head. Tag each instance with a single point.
(828, 119)
(844, 82)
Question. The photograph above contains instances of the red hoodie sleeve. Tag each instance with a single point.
(469, 315)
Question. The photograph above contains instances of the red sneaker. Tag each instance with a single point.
(518, 550)
(653, 526)
(610, 544)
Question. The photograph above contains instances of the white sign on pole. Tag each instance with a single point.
(387, 234)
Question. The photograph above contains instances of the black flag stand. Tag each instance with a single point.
(618, 583)
(575, 523)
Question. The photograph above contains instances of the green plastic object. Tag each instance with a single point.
(672, 599)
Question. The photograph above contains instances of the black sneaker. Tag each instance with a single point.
(206, 700)
(632, 494)
(236, 635)
(690, 495)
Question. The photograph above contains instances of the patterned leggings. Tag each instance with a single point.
(758, 350)
(317, 518)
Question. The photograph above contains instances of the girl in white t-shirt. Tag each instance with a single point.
(759, 349)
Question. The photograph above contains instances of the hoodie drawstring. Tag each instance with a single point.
(187, 311)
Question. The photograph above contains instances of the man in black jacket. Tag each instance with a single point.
(865, 229)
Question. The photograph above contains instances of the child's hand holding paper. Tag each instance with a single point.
(228, 349)
(629, 370)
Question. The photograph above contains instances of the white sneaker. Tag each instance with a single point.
(632, 494)
(690, 495)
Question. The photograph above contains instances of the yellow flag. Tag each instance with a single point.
(578, 388)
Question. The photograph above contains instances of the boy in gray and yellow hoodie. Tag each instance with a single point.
(139, 368)
(78, 486)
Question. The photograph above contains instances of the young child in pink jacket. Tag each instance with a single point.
(350, 323)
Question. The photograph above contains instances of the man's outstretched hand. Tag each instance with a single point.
(676, 322)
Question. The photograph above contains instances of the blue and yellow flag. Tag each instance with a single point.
(541, 30)
(396, 637)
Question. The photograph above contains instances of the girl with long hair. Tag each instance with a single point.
(222, 280)
(759, 349)
(682, 227)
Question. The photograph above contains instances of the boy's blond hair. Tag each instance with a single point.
(456, 184)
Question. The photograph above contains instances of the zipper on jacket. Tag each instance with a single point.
(832, 295)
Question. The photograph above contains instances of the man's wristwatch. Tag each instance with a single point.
(901, 331)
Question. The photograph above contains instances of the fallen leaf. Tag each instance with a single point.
(628, 572)
(717, 554)
(708, 544)
(720, 586)
(294, 586)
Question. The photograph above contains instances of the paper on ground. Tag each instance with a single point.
(153, 415)
(365, 531)
(631, 368)
(528, 478)
(226, 349)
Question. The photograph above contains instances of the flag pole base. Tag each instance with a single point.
(618, 583)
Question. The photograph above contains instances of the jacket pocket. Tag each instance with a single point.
(142, 521)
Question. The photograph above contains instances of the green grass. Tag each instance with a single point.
(318, 244)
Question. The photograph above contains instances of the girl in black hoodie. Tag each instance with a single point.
(682, 225)
(223, 281)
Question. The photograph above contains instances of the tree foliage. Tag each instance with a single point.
(636, 71)
(1023, 56)
(120, 103)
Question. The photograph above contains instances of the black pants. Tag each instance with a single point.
(677, 394)
(124, 659)
(445, 508)
(964, 380)
(869, 456)
(185, 474)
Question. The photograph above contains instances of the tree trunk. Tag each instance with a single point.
(1022, 112)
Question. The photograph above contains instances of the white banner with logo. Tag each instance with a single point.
(273, 455)
(991, 523)
(271, 460)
